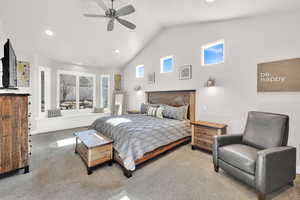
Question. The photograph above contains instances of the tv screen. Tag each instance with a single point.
(9, 61)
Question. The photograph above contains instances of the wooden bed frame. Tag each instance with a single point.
(172, 98)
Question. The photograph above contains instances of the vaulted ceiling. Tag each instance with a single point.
(85, 41)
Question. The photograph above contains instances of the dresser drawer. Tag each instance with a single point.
(206, 144)
(209, 132)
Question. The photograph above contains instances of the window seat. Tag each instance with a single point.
(44, 125)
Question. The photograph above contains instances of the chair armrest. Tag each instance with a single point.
(223, 140)
(275, 167)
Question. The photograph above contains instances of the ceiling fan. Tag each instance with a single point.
(114, 14)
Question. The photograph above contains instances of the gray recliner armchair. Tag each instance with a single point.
(260, 157)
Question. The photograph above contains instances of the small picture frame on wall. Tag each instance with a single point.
(185, 72)
(151, 78)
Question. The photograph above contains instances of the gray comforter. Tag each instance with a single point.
(135, 135)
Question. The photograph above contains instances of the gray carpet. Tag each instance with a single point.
(57, 174)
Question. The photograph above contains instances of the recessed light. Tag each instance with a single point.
(49, 32)
(117, 51)
(210, 1)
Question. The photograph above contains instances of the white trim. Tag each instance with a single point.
(137, 71)
(210, 45)
(77, 75)
(162, 64)
(109, 92)
(298, 169)
(66, 122)
(47, 79)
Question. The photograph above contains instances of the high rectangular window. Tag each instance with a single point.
(166, 64)
(104, 95)
(140, 71)
(213, 53)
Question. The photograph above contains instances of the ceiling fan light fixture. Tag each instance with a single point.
(114, 15)
(117, 51)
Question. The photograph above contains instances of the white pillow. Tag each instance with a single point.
(155, 112)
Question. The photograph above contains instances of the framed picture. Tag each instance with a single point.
(185, 72)
(151, 78)
(23, 74)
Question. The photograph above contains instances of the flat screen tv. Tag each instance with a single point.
(9, 67)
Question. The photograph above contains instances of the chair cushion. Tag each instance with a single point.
(240, 156)
(266, 130)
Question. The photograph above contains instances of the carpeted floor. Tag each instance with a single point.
(57, 174)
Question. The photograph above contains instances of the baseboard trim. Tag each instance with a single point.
(298, 169)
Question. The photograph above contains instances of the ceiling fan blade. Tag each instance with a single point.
(93, 15)
(110, 25)
(126, 10)
(101, 4)
(126, 23)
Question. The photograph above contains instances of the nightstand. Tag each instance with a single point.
(203, 133)
(133, 112)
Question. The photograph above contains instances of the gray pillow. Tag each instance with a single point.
(98, 110)
(145, 107)
(54, 113)
(178, 113)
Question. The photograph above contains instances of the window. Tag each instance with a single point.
(76, 91)
(67, 95)
(85, 92)
(166, 64)
(104, 98)
(44, 90)
(213, 53)
(140, 71)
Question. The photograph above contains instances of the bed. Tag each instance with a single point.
(138, 138)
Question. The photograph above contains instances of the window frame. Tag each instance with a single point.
(101, 91)
(47, 84)
(211, 45)
(162, 64)
(77, 75)
(137, 70)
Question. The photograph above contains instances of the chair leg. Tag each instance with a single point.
(261, 196)
(216, 168)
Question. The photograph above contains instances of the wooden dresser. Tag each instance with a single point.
(203, 133)
(13, 132)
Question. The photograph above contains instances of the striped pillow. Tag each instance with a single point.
(155, 112)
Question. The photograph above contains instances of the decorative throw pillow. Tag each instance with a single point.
(54, 113)
(155, 112)
(145, 107)
(98, 110)
(179, 113)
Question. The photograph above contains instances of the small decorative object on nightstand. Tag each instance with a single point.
(203, 133)
(94, 149)
(133, 112)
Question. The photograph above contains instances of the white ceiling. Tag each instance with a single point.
(83, 40)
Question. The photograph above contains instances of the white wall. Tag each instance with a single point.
(247, 42)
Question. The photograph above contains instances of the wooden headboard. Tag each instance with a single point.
(175, 98)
